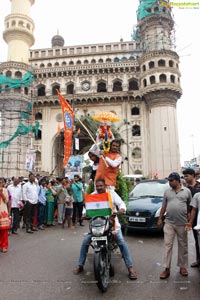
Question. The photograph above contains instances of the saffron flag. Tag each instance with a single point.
(98, 205)
(68, 119)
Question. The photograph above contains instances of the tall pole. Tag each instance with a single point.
(193, 152)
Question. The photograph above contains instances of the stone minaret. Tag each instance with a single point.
(18, 34)
(160, 82)
(19, 28)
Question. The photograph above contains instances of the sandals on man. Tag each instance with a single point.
(195, 264)
(132, 275)
(78, 270)
(183, 272)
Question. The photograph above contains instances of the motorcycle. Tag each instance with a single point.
(103, 244)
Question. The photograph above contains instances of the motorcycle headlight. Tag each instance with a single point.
(98, 231)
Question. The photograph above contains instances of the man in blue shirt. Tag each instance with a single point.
(77, 189)
(41, 203)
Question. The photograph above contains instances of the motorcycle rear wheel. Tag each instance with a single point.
(101, 270)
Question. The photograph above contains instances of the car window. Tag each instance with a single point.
(152, 188)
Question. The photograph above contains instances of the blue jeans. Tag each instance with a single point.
(41, 210)
(120, 242)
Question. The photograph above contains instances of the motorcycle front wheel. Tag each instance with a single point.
(101, 270)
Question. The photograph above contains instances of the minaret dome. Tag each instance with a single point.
(57, 41)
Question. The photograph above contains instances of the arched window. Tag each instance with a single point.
(49, 65)
(54, 89)
(101, 87)
(56, 64)
(41, 91)
(70, 89)
(108, 60)
(78, 62)
(143, 68)
(26, 90)
(161, 63)
(171, 63)
(136, 130)
(123, 58)
(152, 80)
(39, 135)
(41, 65)
(38, 116)
(21, 24)
(145, 82)
(93, 61)
(117, 86)
(38, 159)
(85, 61)
(135, 111)
(151, 65)
(172, 78)
(116, 59)
(133, 85)
(163, 78)
(64, 63)
(18, 74)
(100, 60)
(8, 73)
(71, 63)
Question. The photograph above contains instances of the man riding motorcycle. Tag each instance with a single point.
(117, 203)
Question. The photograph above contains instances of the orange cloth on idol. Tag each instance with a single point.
(109, 173)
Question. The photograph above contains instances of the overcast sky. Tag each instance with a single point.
(99, 21)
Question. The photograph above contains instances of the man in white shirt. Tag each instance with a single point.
(30, 195)
(117, 203)
(15, 191)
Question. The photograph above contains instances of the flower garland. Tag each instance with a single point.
(106, 145)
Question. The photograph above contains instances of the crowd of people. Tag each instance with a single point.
(38, 202)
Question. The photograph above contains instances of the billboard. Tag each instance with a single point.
(30, 160)
(74, 166)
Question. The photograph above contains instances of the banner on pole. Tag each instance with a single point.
(68, 119)
(30, 160)
(74, 166)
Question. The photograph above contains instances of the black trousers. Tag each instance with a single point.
(15, 218)
(77, 208)
(197, 246)
(30, 210)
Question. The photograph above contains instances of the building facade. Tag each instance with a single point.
(139, 80)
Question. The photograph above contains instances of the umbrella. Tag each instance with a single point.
(106, 116)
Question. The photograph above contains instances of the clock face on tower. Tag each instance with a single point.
(86, 86)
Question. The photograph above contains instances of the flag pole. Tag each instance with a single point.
(92, 139)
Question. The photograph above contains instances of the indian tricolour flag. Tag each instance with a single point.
(98, 204)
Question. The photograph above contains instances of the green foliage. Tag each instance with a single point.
(90, 189)
(123, 187)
